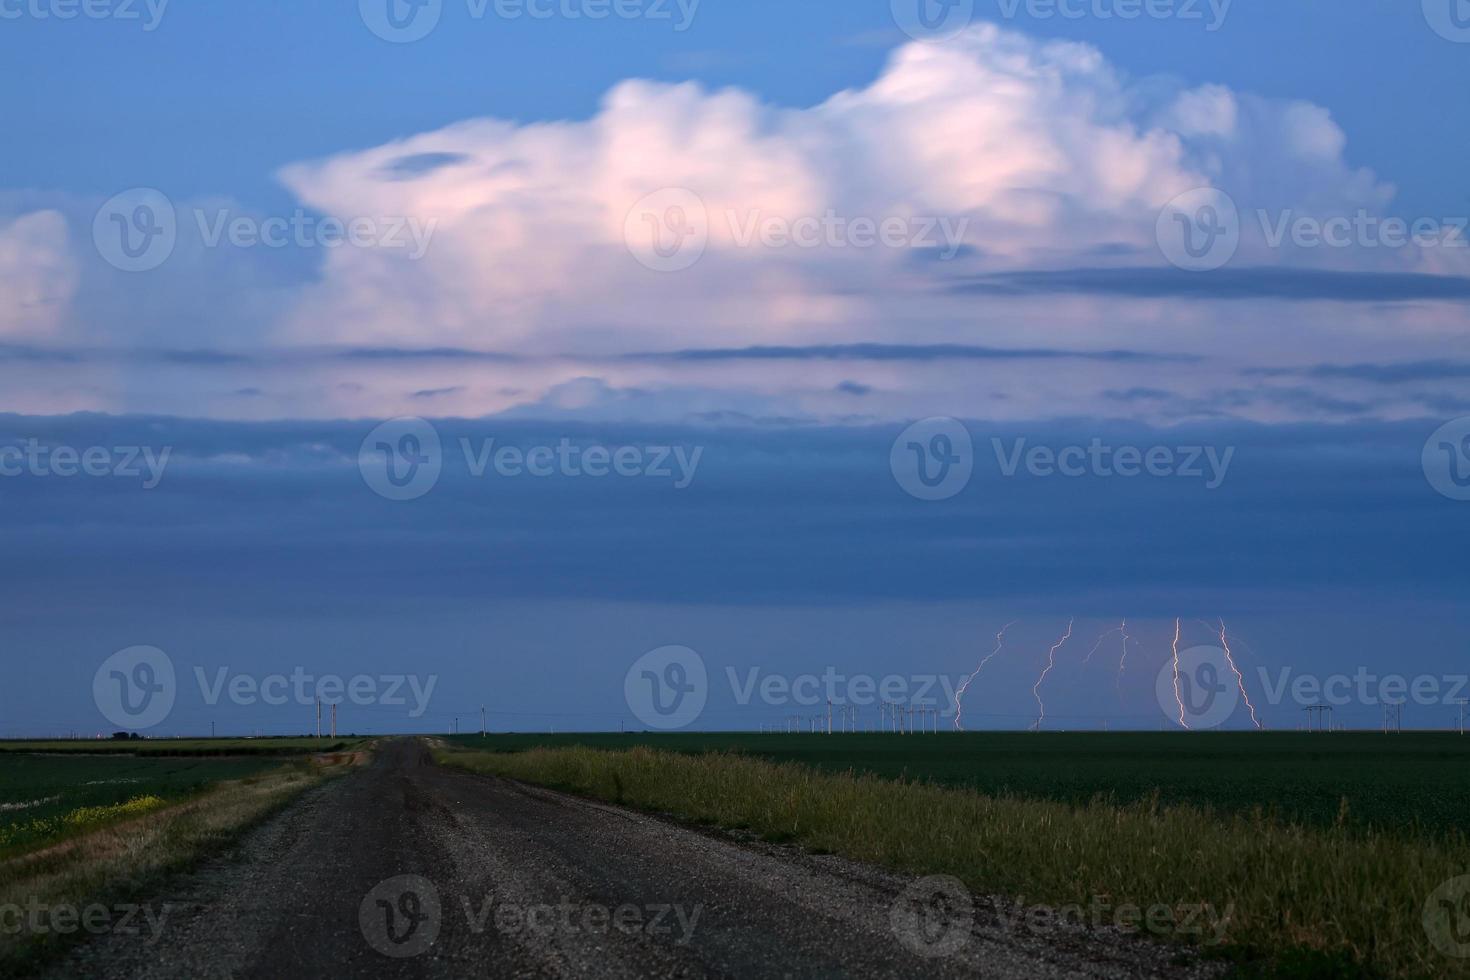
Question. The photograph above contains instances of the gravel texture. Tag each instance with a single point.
(406, 869)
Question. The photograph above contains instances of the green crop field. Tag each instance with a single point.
(182, 746)
(1415, 784)
(48, 797)
(1324, 847)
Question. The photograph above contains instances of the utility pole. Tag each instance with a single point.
(482, 721)
(829, 716)
(334, 721)
(318, 719)
(1463, 703)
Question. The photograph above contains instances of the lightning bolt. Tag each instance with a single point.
(1239, 680)
(1178, 698)
(1116, 629)
(958, 708)
(1051, 661)
(1123, 660)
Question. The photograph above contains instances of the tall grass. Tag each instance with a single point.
(1352, 897)
(124, 857)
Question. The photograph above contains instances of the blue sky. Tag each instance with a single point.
(1035, 166)
(219, 96)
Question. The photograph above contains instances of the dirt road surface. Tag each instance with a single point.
(406, 869)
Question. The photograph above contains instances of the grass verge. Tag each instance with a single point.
(125, 856)
(1295, 900)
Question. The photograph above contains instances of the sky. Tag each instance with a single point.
(667, 364)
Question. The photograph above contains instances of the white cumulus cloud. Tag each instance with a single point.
(37, 275)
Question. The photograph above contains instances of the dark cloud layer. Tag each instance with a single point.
(1224, 284)
(773, 515)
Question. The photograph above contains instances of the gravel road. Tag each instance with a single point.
(405, 869)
